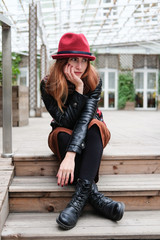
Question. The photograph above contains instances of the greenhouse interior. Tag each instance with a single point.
(109, 128)
(124, 35)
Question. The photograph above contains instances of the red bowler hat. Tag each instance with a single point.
(73, 45)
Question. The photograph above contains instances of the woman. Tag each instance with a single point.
(71, 93)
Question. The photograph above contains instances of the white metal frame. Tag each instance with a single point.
(105, 23)
(145, 71)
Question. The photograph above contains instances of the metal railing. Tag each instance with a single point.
(7, 87)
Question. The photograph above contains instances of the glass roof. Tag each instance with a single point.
(105, 23)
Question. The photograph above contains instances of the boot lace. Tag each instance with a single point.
(79, 199)
(101, 200)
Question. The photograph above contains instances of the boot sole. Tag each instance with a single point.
(65, 227)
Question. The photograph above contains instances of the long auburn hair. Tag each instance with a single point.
(57, 85)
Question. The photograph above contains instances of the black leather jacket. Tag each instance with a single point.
(79, 110)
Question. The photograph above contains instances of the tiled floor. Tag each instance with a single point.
(132, 133)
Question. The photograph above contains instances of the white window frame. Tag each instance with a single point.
(106, 89)
(24, 70)
(145, 72)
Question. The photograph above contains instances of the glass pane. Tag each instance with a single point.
(101, 101)
(151, 99)
(139, 80)
(102, 75)
(111, 80)
(111, 99)
(139, 99)
(23, 81)
(151, 81)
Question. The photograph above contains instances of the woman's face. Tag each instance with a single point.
(79, 65)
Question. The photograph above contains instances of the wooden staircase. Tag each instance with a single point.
(36, 200)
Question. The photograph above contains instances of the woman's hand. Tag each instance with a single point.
(73, 78)
(66, 169)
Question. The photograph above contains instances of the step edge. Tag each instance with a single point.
(52, 157)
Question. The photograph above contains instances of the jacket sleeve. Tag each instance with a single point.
(69, 116)
(77, 142)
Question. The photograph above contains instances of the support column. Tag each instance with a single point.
(32, 59)
(7, 89)
(43, 67)
(43, 61)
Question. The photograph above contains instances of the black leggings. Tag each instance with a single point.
(87, 163)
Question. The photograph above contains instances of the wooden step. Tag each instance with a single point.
(26, 165)
(43, 226)
(42, 194)
(6, 176)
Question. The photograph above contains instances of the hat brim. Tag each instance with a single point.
(60, 56)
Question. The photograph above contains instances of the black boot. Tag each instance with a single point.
(106, 206)
(69, 216)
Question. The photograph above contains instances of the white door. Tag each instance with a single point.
(146, 82)
(109, 89)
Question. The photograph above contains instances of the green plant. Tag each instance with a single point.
(16, 59)
(126, 91)
(95, 53)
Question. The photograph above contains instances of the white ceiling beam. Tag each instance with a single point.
(94, 16)
(125, 50)
(151, 48)
(121, 19)
(23, 8)
(101, 6)
(14, 27)
(126, 20)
